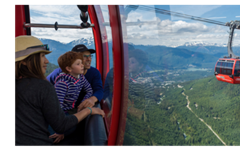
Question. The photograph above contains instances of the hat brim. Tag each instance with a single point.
(23, 57)
(91, 51)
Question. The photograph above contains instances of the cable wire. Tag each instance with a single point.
(166, 12)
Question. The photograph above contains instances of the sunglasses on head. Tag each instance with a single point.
(45, 46)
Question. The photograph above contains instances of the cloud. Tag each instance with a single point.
(216, 36)
(63, 10)
(151, 30)
(172, 33)
(104, 9)
(174, 28)
(182, 27)
(62, 35)
(63, 14)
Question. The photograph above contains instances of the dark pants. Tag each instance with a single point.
(76, 136)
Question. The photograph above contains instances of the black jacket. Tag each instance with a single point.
(37, 106)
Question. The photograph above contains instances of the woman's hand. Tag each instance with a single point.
(57, 137)
(90, 102)
(86, 111)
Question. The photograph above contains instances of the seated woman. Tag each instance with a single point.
(37, 104)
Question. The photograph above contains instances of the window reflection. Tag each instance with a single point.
(174, 97)
(108, 89)
(141, 98)
(103, 19)
(237, 68)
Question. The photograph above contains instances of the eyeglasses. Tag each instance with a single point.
(87, 56)
(45, 46)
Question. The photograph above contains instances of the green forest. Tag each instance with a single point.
(170, 122)
(50, 68)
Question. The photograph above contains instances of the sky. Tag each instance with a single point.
(156, 29)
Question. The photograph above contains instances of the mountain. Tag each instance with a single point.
(178, 118)
(89, 43)
(216, 49)
(59, 48)
(160, 57)
(50, 68)
(218, 105)
(201, 43)
(178, 58)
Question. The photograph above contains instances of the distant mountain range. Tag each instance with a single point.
(59, 48)
(200, 43)
(160, 56)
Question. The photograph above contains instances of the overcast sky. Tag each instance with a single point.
(156, 29)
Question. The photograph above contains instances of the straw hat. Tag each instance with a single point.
(27, 45)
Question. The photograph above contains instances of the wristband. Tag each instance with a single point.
(90, 110)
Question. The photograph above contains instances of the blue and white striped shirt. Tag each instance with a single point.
(68, 88)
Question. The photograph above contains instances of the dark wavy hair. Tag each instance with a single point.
(32, 69)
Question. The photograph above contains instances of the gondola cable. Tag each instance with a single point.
(227, 69)
(167, 12)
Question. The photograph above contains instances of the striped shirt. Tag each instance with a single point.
(68, 88)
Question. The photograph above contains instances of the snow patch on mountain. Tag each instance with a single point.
(201, 43)
(87, 42)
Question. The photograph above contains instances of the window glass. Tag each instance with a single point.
(237, 66)
(230, 65)
(217, 69)
(219, 64)
(62, 40)
(174, 97)
(224, 64)
(229, 71)
(103, 18)
(224, 71)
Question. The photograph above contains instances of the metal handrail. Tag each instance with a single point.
(56, 26)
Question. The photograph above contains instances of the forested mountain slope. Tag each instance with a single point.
(170, 121)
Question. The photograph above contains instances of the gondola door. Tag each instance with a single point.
(236, 72)
(224, 69)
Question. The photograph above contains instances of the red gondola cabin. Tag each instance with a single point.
(228, 70)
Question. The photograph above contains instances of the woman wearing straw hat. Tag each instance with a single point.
(37, 105)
